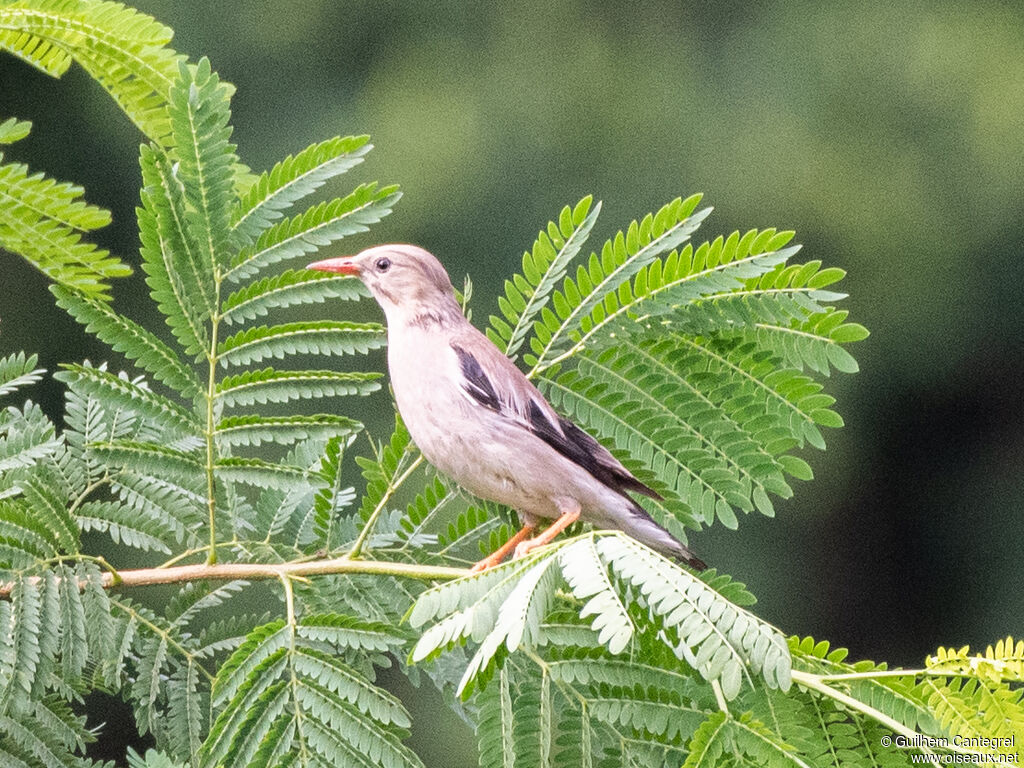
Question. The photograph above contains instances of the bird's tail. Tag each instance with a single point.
(641, 526)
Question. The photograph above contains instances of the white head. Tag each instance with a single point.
(408, 282)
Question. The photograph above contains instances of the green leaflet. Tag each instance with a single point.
(18, 370)
(44, 629)
(737, 638)
(43, 220)
(12, 130)
(333, 497)
(153, 459)
(133, 340)
(287, 289)
(186, 702)
(475, 532)
(318, 226)
(179, 280)
(283, 517)
(25, 438)
(535, 715)
(47, 502)
(263, 474)
(53, 200)
(124, 526)
(381, 472)
(152, 759)
(255, 430)
(543, 267)
(199, 111)
(162, 504)
(294, 178)
(48, 727)
(423, 512)
(701, 369)
(122, 49)
(621, 258)
(707, 745)
(272, 386)
(682, 284)
(323, 337)
(27, 537)
(130, 396)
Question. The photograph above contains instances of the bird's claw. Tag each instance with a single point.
(523, 548)
(488, 562)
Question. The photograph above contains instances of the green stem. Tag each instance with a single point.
(81, 558)
(364, 534)
(876, 674)
(73, 508)
(211, 445)
(816, 683)
(289, 601)
(163, 633)
(293, 682)
(189, 552)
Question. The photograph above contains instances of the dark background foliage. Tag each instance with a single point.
(889, 135)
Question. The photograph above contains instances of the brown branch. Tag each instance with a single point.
(143, 577)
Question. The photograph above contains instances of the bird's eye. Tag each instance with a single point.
(383, 265)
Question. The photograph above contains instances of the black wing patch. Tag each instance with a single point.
(572, 442)
(475, 381)
(580, 448)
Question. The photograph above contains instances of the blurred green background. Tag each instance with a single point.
(889, 135)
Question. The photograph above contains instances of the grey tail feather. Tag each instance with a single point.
(644, 529)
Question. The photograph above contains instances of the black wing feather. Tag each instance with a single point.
(478, 385)
(581, 448)
(568, 439)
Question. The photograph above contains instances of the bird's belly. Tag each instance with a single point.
(484, 464)
(469, 447)
(481, 450)
(489, 460)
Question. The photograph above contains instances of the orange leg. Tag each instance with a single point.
(499, 554)
(566, 519)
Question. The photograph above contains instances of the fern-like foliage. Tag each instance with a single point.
(166, 468)
(612, 577)
(294, 692)
(226, 459)
(979, 697)
(43, 220)
(187, 220)
(124, 50)
(544, 266)
(697, 364)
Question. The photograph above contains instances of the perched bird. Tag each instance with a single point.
(479, 420)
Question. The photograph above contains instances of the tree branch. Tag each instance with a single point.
(143, 577)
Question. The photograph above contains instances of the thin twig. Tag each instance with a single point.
(364, 534)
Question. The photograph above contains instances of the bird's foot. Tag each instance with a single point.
(524, 548)
(488, 562)
(502, 552)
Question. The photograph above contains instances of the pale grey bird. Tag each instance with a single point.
(479, 420)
